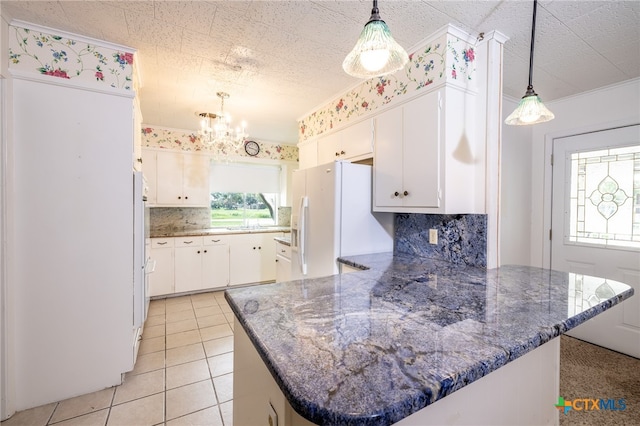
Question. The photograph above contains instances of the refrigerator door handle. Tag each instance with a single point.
(304, 203)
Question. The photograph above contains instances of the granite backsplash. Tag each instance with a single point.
(462, 238)
(175, 219)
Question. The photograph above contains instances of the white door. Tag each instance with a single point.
(596, 228)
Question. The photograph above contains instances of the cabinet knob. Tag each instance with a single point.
(179, 198)
(342, 153)
(186, 198)
(254, 248)
(406, 193)
(205, 251)
(337, 154)
(259, 248)
(198, 251)
(395, 194)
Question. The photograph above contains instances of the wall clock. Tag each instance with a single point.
(252, 148)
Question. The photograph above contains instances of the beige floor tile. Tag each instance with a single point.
(215, 332)
(183, 354)
(148, 362)
(179, 307)
(185, 374)
(207, 417)
(226, 409)
(180, 316)
(141, 412)
(183, 339)
(155, 320)
(208, 311)
(139, 386)
(189, 399)
(38, 416)
(154, 330)
(84, 404)
(223, 385)
(180, 326)
(221, 364)
(156, 309)
(211, 320)
(218, 346)
(225, 308)
(153, 344)
(97, 418)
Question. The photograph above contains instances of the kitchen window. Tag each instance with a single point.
(244, 195)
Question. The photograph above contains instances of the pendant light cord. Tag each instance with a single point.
(533, 35)
(375, 13)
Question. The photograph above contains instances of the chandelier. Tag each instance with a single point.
(216, 128)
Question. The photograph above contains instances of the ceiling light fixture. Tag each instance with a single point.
(216, 128)
(376, 53)
(530, 110)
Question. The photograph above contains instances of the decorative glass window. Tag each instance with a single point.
(605, 197)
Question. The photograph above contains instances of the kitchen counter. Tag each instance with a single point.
(219, 231)
(284, 240)
(376, 346)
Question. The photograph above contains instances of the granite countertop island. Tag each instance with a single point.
(376, 346)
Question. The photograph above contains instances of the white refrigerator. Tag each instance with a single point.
(332, 217)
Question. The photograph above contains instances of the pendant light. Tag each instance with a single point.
(376, 53)
(530, 110)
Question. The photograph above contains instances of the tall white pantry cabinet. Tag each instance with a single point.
(72, 277)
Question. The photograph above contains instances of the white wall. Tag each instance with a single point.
(595, 110)
(515, 197)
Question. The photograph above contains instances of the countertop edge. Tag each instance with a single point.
(221, 231)
(393, 413)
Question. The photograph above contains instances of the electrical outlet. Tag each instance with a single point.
(272, 418)
(433, 236)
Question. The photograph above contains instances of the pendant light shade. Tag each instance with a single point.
(530, 110)
(376, 53)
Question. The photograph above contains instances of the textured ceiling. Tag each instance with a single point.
(280, 59)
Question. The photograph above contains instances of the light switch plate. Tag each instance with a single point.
(433, 236)
(273, 416)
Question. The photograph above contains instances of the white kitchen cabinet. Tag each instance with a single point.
(176, 178)
(308, 154)
(425, 160)
(149, 170)
(188, 264)
(352, 142)
(283, 262)
(215, 261)
(161, 280)
(251, 258)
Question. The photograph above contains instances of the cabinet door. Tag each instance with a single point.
(267, 250)
(161, 279)
(421, 151)
(149, 170)
(188, 266)
(388, 159)
(169, 178)
(357, 140)
(308, 154)
(195, 180)
(283, 269)
(215, 266)
(244, 259)
(329, 148)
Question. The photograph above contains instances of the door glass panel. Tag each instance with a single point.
(605, 197)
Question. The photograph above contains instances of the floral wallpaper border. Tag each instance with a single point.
(60, 57)
(187, 140)
(446, 59)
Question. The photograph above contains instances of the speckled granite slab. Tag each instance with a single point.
(373, 347)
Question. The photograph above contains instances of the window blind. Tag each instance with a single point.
(242, 177)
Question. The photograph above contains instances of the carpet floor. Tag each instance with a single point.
(592, 372)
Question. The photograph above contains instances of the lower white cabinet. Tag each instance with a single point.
(161, 281)
(187, 264)
(283, 262)
(201, 263)
(252, 258)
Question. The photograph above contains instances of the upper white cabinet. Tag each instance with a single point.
(176, 178)
(425, 158)
(308, 154)
(352, 142)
